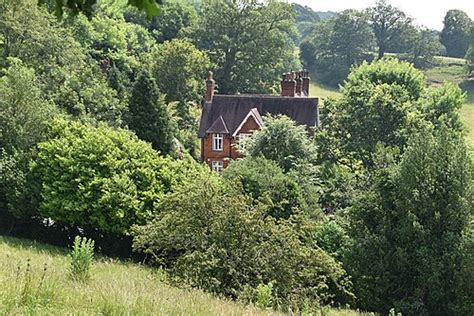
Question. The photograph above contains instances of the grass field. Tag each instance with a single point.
(34, 281)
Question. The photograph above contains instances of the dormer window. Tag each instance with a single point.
(217, 142)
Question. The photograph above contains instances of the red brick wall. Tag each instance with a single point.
(230, 145)
(208, 155)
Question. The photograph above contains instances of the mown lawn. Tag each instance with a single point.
(34, 280)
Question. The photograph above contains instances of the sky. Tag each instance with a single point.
(429, 13)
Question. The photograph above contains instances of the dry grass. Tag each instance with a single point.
(34, 281)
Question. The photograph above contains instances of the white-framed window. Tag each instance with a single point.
(217, 166)
(217, 142)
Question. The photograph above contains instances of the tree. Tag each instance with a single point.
(100, 178)
(470, 52)
(67, 74)
(378, 106)
(23, 114)
(177, 19)
(387, 23)
(212, 236)
(149, 117)
(339, 43)
(423, 46)
(150, 7)
(455, 33)
(282, 141)
(249, 43)
(264, 179)
(179, 68)
(407, 229)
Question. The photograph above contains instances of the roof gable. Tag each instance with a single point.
(218, 126)
(255, 115)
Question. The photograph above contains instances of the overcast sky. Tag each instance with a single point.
(429, 13)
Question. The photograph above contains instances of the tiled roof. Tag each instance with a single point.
(233, 109)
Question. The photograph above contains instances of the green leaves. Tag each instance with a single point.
(150, 7)
(74, 7)
(100, 177)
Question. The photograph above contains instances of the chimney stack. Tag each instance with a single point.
(288, 85)
(306, 79)
(211, 85)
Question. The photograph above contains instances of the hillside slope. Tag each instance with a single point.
(34, 281)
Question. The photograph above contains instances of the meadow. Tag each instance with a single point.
(35, 281)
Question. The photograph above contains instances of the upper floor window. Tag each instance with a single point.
(217, 142)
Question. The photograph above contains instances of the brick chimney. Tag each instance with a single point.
(306, 79)
(211, 85)
(288, 85)
(299, 83)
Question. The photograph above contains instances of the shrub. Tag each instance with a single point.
(408, 227)
(214, 237)
(82, 256)
(280, 140)
(264, 295)
(264, 179)
(101, 177)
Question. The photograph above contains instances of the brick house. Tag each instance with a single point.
(226, 119)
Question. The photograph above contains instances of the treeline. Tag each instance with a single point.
(98, 123)
(330, 47)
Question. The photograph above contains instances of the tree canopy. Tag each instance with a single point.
(455, 33)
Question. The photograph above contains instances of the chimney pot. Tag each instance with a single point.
(288, 85)
(305, 85)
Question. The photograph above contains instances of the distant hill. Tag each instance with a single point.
(307, 17)
(326, 15)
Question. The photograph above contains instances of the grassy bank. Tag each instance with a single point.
(35, 281)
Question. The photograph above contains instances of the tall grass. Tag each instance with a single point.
(34, 280)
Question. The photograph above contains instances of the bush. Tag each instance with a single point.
(100, 177)
(82, 256)
(282, 141)
(215, 238)
(264, 179)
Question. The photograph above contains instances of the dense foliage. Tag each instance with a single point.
(234, 32)
(218, 239)
(372, 208)
(455, 34)
(280, 140)
(407, 229)
(149, 117)
(100, 177)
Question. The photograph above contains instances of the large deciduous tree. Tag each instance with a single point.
(99, 177)
(248, 41)
(338, 43)
(382, 103)
(388, 23)
(179, 68)
(455, 33)
(23, 113)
